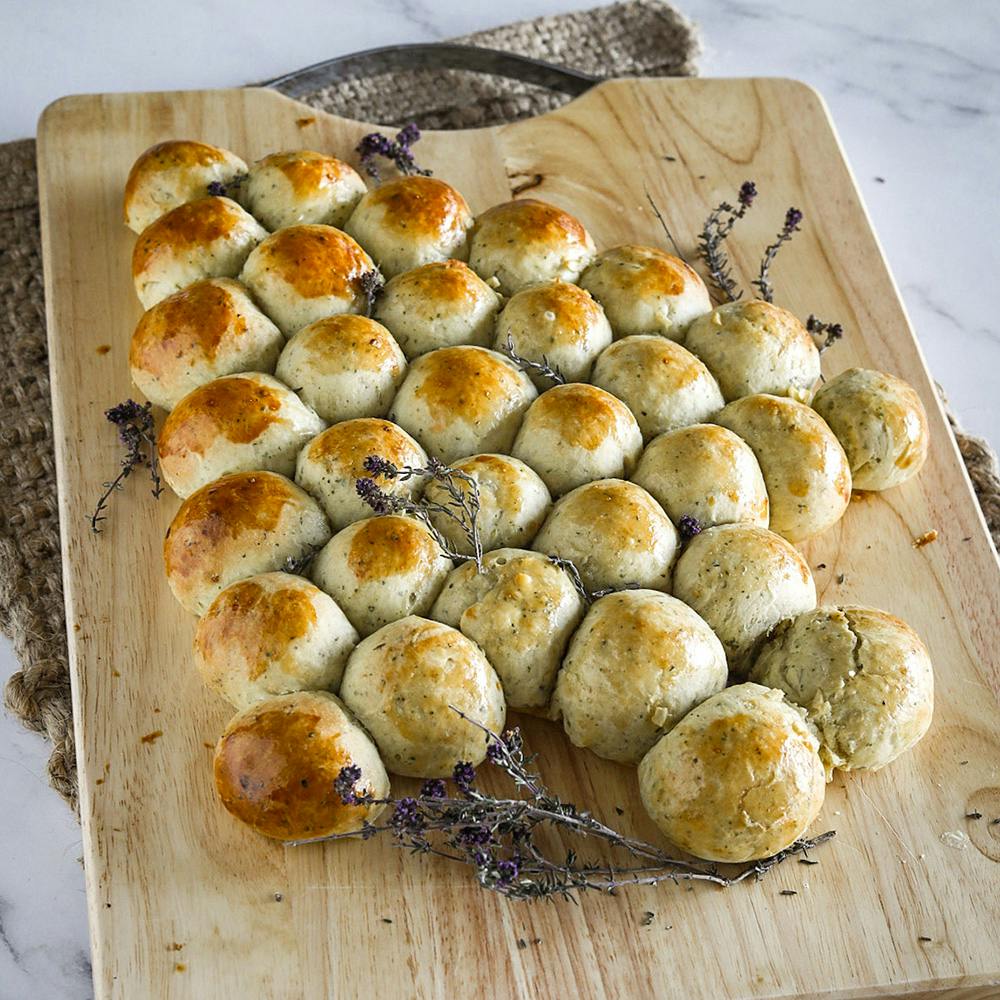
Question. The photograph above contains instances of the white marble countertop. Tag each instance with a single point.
(914, 91)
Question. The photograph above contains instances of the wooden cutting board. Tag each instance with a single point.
(186, 903)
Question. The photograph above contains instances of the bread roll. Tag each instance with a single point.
(881, 424)
(556, 322)
(743, 580)
(410, 221)
(806, 471)
(330, 466)
(235, 527)
(272, 634)
(645, 290)
(753, 347)
(344, 367)
(704, 472)
(208, 238)
(526, 241)
(615, 533)
(863, 677)
(639, 662)
(171, 173)
(403, 682)
(438, 305)
(737, 779)
(575, 433)
(664, 385)
(237, 423)
(277, 763)
(305, 273)
(301, 188)
(382, 569)
(513, 503)
(458, 401)
(209, 329)
(521, 610)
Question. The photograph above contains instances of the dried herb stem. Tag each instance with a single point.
(542, 368)
(793, 218)
(398, 150)
(711, 241)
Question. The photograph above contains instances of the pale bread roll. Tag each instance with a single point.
(344, 367)
(330, 465)
(207, 238)
(303, 274)
(615, 533)
(171, 173)
(663, 385)
(410, 221)
(743, 580)
(863, 677)
(277, 763)
(521, 610)
(646, 290)
(458, 401)
(235, 527)
(804, 466)
(381, 569)
(209, 329)
(438, 305)
(403, 683)
(575, 433)
(704, 472)
(236, 423)
(637, 665)
(520, 243)
(301, 187)
(272, 634)
(739, 778)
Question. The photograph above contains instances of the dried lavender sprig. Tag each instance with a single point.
(222, 188)
(793, 218)
(462, 507)
(372, 284)
(714, 233)
(831, 332)
(135, 431)
(588, 596)
(542, 367)
(399, 150)
(688, 526)
(496, 836)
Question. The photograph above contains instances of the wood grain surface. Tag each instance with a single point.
(184, 902)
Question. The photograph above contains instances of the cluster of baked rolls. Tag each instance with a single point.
(676, 467)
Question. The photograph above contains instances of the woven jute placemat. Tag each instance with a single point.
(638, 38)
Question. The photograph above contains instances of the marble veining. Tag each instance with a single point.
(914, 89)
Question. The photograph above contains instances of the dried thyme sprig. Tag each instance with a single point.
(462, 506)
(496, 836)
(830, 332)
(793, 217)
(222, 189)
(399, 150)
(542, 367)
(135, 431)
(717, 228)
(588, 596)
(372, 284)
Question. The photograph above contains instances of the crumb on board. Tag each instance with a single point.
(180, 967)
(153, 736)
(925, 539)
(174, 946)
(647, 918)
(103, 348)
(306, 121)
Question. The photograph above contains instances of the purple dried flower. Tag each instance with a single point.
(833, 331)
(345, 783)
(688, 526)
(398, 150)
(408, 135)
(474, 836)
(464, 775)
(406, 817)
(434, 788)
(507, 871)
(748, 191)
(495, 751)
(792, 219)
(379, 466)
(376, 498)
(216, 188)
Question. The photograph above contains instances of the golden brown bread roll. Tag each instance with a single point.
(305, 273)
(403, 682)
(272, 634)
(301, 187)
(638, 663)
(737, 779)
(277, 762)
(208, 238)
(209, 329)
(235, 527)
(881, 424)
(171, 173)
(411, 221)
(806, 471)
(863, 677)
(237, 423)
(520, 243)
(645, 290)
